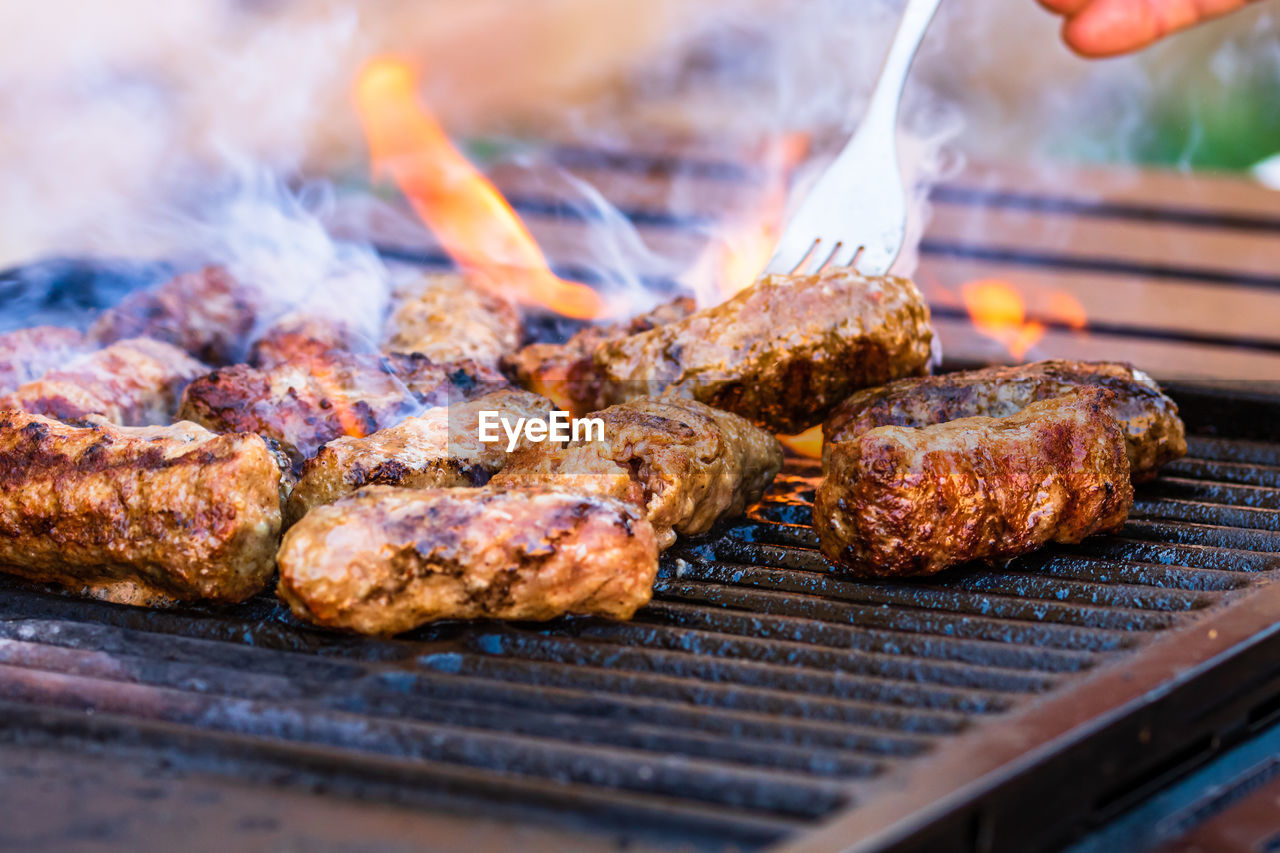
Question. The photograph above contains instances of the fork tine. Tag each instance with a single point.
(830, 257)
(790, 258)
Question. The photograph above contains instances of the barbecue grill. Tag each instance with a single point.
(761, 699)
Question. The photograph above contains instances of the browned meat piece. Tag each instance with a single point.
(1153, 430)
(27, 354)
(684, 464)
(385, 560)
(448, 317)
(135, 383)
(206, 313)
(441, 449)
(304, 403)
(566, 372)
(299, 335)
(913, 501)
(783, 352)
(137, 515)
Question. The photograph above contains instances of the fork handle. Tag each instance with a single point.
(883, 109)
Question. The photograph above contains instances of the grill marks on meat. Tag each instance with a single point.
(567, 373)
(783, 352)
(385, 560)
(137, 515)
(135, 382)
(206, 313)
(448, 317)
(305, 403)
(1153, 431)
(439, 449)
(906, 501)
(27, 354)
(684, 464)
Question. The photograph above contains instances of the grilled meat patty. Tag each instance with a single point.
(307, 402)
(914, 500)
(440, 448)
(685, 465)
(300, 335)
(206, 313)
(783, 352)
(1153, 431)
(137, 515)
(566, 372)
(136, 382)
(448, 316)
(386, 560)
(27, 354)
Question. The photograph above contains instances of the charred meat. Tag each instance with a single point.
(27, 354)
(305, 403)
(300, 335)
(914, 500)
(567, 373)
(440, 448)
(1153, 431)
(783, 352)
(386, 560)
(448, 317)
(683, 464)
(135, 382)
(206, 313)
(137, 515)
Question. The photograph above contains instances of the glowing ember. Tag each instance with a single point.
(472, 220)
(807, 443)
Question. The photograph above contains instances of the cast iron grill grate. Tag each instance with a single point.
(761, 693)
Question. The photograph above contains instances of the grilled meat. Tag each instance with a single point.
(1153, 431)
(915, 500)
(136, 382)
(306, 402)
(299, 335)
(448, 317)
(27, 354)
(385, 560)
(441, 449)
(206, 313)
(567, 373)
(683, 464)
(137, 515)
(783, 352)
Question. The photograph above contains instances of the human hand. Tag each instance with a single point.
(1110, 27)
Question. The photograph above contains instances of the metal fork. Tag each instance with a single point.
(856, 214)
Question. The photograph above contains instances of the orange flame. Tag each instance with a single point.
(321, 369)
(735, 260)
(999, 311)
(807, 443)
(472, 220)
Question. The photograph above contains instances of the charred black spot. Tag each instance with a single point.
(389, 473)
(464, 381)
(35, 431)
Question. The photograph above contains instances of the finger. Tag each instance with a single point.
(1110, 27)
(1065, 7)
